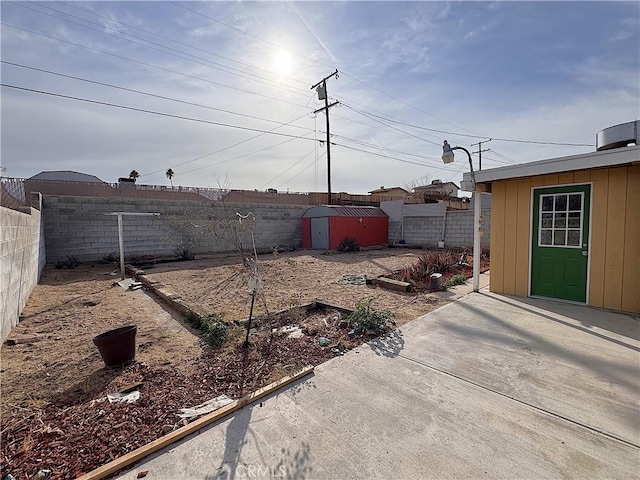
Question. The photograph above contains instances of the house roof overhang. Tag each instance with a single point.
(585, 161)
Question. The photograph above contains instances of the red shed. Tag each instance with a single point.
(325, 226)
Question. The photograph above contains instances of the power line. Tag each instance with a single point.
(393, 128)
(180, 117)
(95, 82)
(262, 132)
(481, 151)
(178, 42)
(368, 115)
(228, 148)
(238, 30)
(262, 80)
(152, 66)
(153, 112)
(379, 147)
(287, 169)
(236, 157)
(278, 46)
(253, 93)
(442, 167)
(299, 173)
(299, 127)
(468, 135)
(497, 160)
(308, 58)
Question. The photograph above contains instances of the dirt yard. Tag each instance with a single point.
(289, 279)
(54, 383)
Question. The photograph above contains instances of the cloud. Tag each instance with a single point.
(514, 76)
(575, 121)
(478, 31)
(313, 33)
(604, 72)
(627, 28)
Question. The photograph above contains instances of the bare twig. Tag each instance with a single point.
(17, 422)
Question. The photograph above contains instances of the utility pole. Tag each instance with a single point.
(479, 152)
(321, 88)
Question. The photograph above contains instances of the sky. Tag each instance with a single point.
(220, 92)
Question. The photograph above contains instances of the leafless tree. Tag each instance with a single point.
(417, 182)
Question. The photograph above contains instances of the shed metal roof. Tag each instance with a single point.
(343, 211)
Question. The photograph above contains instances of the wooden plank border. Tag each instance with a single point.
(169, 438)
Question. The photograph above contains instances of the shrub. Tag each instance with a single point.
(71, 261)
(134, 259)
(434, 261)
(455, 280)
(193, 319)
(109, 258)
(370, 319)
(214, 330)
(212, 327)
(439, 261)
(348, 244)
(184, 253)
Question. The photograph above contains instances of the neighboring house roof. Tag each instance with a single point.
(66, 176)
(436, 186)
(343, 211)
(604, 158)
(385, 190)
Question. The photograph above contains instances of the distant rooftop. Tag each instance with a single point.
(385, 190)
(435, 186)
(66, 176)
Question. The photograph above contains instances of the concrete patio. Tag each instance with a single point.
(486, 387)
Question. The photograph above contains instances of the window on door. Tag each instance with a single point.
(560, 222)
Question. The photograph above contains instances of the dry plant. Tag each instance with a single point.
(434, 261)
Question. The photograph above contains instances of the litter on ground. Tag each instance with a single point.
(206, 407)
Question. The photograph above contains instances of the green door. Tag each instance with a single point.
(560, 243)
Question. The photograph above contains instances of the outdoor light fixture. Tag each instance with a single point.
(447, 153)
(448, 157)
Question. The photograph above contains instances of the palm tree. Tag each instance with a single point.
(134, 175)
(170, 175)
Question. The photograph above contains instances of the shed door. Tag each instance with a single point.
(560, 243)
(320, 233)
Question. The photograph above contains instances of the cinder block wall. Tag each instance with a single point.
(395, 232)
(460, 229)
(79, 226)
(21, 262)
(427, 231)
(424, 231)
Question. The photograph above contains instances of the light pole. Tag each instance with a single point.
(447, 157)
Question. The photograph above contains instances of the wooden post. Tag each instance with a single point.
(121, 244)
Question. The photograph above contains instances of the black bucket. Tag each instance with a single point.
(117, 347)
